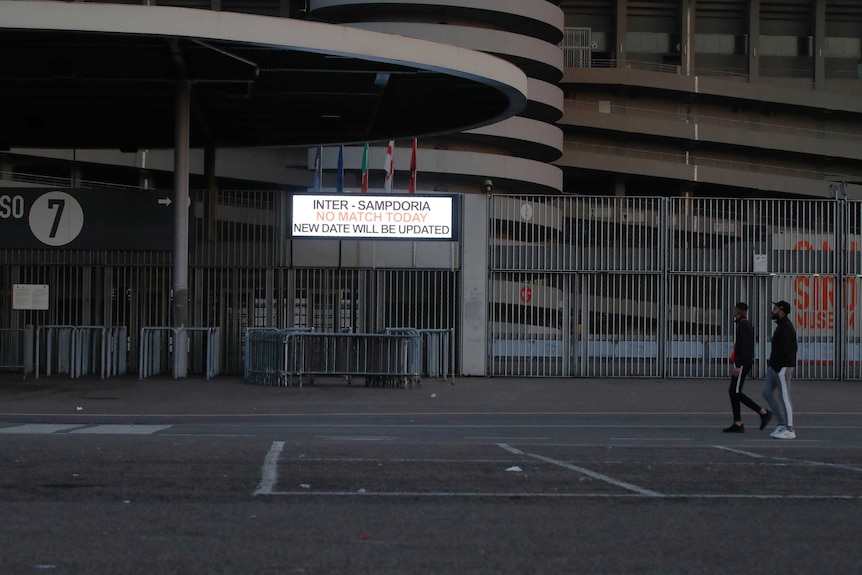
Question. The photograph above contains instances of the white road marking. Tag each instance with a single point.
(39, 428)
(792, 460)
(269, 473)
(528, 495)
(496, 439)
(66, 428)
(584, 471)
(355, 438)
(651, 439)
(111, 429)
(740, 452)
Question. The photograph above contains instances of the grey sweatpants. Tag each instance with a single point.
(779, 380)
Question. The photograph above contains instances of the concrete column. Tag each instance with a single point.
(474, 285)
(819, 26)
(181, 224)
(181, 204)
(753, 41)
(686, 44)
(622, 28)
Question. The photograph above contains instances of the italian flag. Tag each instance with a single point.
(365, 169)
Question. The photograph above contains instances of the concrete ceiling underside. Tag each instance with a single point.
(115, 87)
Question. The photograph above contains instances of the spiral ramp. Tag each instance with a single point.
(515, 154)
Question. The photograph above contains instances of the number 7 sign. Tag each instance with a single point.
(56, 218)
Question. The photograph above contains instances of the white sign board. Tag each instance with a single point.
(29, 296)
(372, 217)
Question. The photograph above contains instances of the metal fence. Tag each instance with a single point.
(16, 349)
(579, 286)
(244, 271)
(392, 358)
(180, 351)
(78, 350)
(623, 286)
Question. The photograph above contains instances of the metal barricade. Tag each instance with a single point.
(79, 350)
(267, 352)
(383, 359)
(165, 349)
(438, 352)
(16, 349)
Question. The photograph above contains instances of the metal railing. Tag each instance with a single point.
(174, 349)
(695, 160)
(16, 349)
(79, 350)
(266, 353)
(392, 358)
(436, 349)
(694, 118)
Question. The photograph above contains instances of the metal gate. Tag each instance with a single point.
(646, 286)
(577, 47)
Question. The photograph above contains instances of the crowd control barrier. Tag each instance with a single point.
(79, 350)
(436, 349)
(178, 350)
(16, 349)
(266, 354)
(276, 357)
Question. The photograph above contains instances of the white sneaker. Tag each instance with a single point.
(777, 431)
(786, 434)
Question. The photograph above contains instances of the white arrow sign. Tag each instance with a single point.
(164, 201)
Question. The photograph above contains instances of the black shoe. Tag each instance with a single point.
(734, 429)
(765, 418)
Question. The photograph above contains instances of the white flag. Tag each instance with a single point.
(388, 166)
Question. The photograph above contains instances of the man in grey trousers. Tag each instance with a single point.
(782, 362)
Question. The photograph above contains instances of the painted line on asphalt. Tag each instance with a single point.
(39, 428)
(532, 495)
(791, 459)
(68, 429)
(585, 471)
(651, 439)
(740, 452)
(109, 429)
(513, 438)
(355, 438)
(269, 472)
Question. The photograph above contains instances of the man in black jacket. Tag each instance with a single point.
(782, 362)
(743, 358)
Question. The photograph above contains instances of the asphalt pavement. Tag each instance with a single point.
(127, 396)
(469, 475)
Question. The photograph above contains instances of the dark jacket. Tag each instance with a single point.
(743, 347)
(783, 345)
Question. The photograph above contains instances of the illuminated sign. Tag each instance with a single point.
(372, 217)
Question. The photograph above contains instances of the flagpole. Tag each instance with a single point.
(317, 170)
(339, 182)
(412, 187)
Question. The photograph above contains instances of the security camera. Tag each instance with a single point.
(488, 186)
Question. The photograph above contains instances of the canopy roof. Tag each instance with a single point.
(84, 75)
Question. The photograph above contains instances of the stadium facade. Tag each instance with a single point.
(673, 157)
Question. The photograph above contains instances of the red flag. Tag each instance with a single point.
(388, 167)
(412, 188)
(365, 168)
